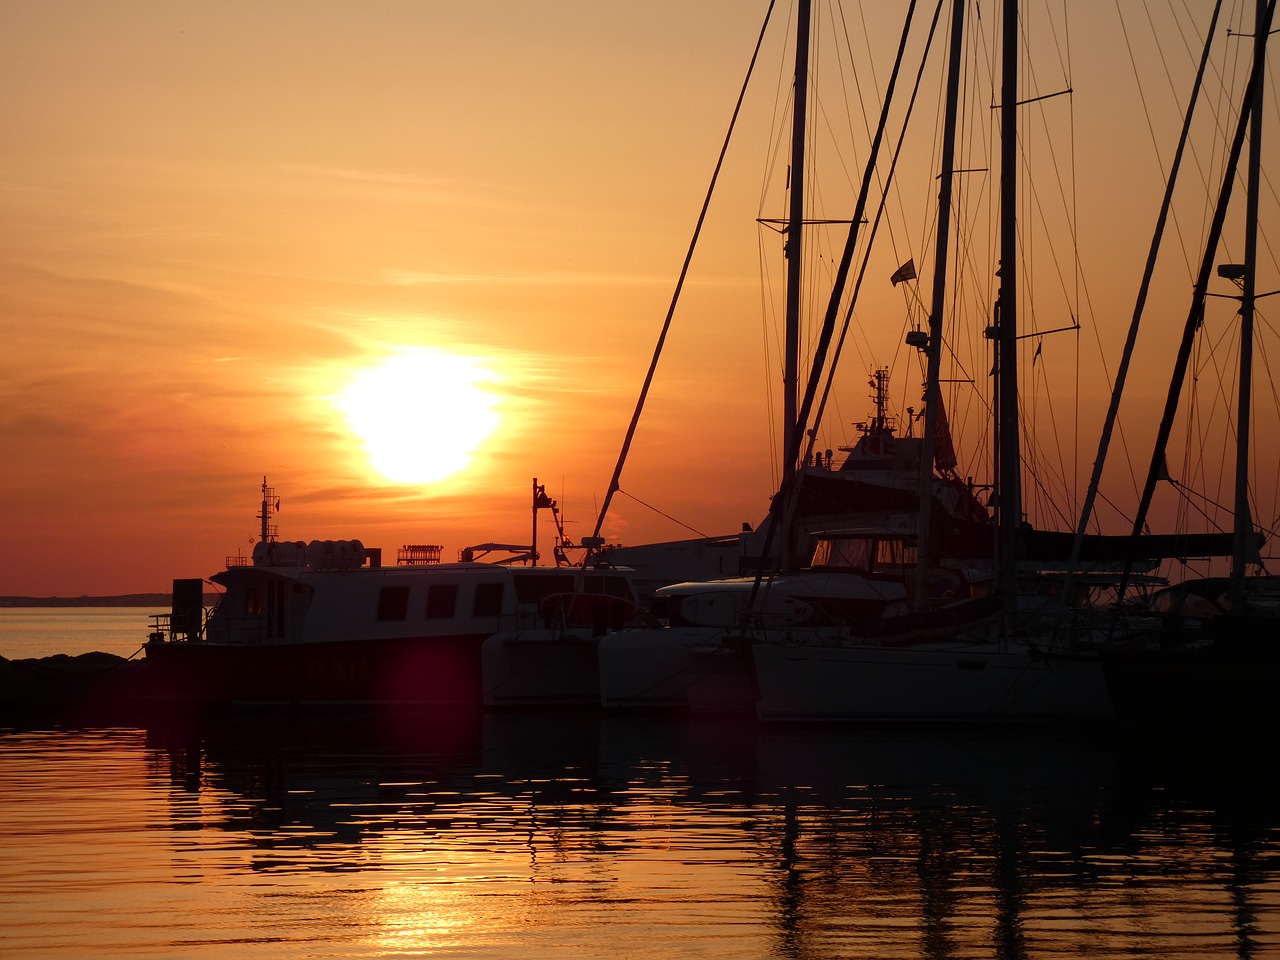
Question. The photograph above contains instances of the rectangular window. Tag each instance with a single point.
(488, 602)
(611, 585)
(442, 601)
(393, 603)
(531, 587)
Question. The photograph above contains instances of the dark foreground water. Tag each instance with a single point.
(503, 836)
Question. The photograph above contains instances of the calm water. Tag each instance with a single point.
(504, 836)
(44, 631)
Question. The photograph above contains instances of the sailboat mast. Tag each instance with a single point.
(1243, 530)
(932, 394)
(795, 230)
(1126, 358)
(1009, 476)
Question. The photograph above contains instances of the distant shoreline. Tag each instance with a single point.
(124, 600)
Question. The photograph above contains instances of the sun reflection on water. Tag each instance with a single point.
(546, 840)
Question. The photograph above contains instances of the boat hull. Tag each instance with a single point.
(1228, 678)
(440, 671)
(541, 668)
(674, 669)
(943, 682)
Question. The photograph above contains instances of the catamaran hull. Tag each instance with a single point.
(436, 671)
(995, 682)
(541, 668)
(674, 669)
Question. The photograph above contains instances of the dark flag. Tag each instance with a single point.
(905, 272)
(944, 451)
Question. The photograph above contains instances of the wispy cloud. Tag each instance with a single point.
(447, 191)
(533, 277)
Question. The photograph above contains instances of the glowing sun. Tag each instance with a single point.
(421, 414)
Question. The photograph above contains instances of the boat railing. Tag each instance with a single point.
(166, 629)
(161, 624)
(250, 628)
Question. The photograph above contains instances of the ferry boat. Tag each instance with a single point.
(325, 622)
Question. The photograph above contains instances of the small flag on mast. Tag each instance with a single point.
(905, 272)
(944, 450)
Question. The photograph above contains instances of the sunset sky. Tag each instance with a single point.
(310, 240)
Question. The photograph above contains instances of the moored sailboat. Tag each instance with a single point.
(1208, 658)
(1004, 653)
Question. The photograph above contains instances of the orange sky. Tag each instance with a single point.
(219, 216)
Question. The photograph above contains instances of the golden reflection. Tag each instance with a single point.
(421, 413)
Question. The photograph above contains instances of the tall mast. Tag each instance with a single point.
(1122, 372)
(795, 230)
(932, 394)
(1009, 477)
(1195, 314)
(1243, 531)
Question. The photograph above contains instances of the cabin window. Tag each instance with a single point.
(532, 588)
(895, 553)
(869, 554)
(853, 553)
(442, 601)
(393, 603)
(609, 586)
(488, 600)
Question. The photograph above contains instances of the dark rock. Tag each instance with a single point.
(90, 687)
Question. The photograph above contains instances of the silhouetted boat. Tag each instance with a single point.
(326, 623)
(917, 619)
(1204, 654)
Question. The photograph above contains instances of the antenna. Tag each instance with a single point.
(268, 531)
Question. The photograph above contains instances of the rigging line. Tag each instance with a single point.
(1219, 351)
(846, 260)
(1191, 496)
(937, 304)
(1036, 455)
(1035, 200)
(781, 99)
(847, 256)
(684, 270)
(1196, 313)
(1146, 112)
(1077, 272)
(865, 346)
(785, 502)
(1193, 468)
(771, 332)
(668, 516)
(876, 220)
(885, 184)
(1140, 305)
(1270, 380)
(767, 318)
(1047, 465)
(847, 66)
(1114, 506)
